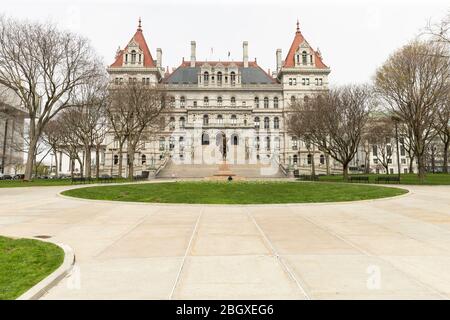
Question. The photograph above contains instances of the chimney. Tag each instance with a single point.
(159, 57)
(245, 53)
(278, 60)
(192, 54)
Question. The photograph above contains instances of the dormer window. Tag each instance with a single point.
(206, 78)
(233, 78)
(304, 58)
(133, 57)
(219, 78)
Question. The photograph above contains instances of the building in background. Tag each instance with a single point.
(215, 103)
(12, 142)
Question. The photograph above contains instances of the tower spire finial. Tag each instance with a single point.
(139, 25)
(298, 26)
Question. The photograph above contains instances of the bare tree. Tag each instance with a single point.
(440, 31)
(70, 143)
(414, 82)
(84, 118)
(134, 115)
(442, 128)
(335, 121)
(43, 66)
(52, 137)
(379, 132)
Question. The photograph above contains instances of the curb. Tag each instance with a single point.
(54, 278)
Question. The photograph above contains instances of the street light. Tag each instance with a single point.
(396, 121)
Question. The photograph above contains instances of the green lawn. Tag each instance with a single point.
(235, 192)
(24, 262)
(431, 179)
(44, 183)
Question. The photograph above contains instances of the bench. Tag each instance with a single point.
(388, 179)
(359, 179)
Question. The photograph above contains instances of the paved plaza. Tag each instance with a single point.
(393, 248)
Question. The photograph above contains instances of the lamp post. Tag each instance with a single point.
(396, 121)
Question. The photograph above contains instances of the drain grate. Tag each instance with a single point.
(43, 236)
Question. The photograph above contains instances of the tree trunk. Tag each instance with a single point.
(445, 158)
(97, 162)
(120, 160)
(327, 160)
(87, 162)
(81, 167)
(56, 163)
(313, 164)
(130, 160)
(411, 162)
(72, 164)
(422, 171)
(30, 158)
(345, 171)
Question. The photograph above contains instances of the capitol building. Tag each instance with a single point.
(222, 109)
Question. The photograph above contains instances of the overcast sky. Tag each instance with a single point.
(355, 37)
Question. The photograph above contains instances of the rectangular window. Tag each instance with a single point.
(290, 81)
(304, 81)
(294, 81)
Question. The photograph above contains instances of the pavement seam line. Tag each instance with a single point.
(278, 257)
(349, 242)
(180, 270)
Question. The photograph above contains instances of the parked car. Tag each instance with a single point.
(19, 176)
(6, 177)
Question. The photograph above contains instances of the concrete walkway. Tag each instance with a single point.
(396, 248)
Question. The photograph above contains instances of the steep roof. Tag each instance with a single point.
(187, 74)
(140, 40)
(289, 62)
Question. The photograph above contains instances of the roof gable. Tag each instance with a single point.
(137, 40)
(300, 41)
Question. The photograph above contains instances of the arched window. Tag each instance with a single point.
(276, 123)
(171, 143)
(322, 159)
(206, 77)
(233, 78)
(219, 119)
(268, 143)
(162, 144)
(275, 102)
(304, 58)
(182, 122)
(205, 139)
(206, 101)
(172, 123)
(172, 102)
(257, 122)
(182, 102)
(143, 159)
(116, 159)
(266, 123)
(133, 57)
(294, 143)
(256, 102)
(233, 101)
(233, 119)
(292, 99)
(235, 140)
(205, 120)
(219, 78)
(309, 158)
(266, 103)
(305, 99)
(219, 101)
(295, 159)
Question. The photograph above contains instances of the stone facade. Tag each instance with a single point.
(213, 100)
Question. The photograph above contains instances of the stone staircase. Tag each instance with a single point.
(172, 170)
